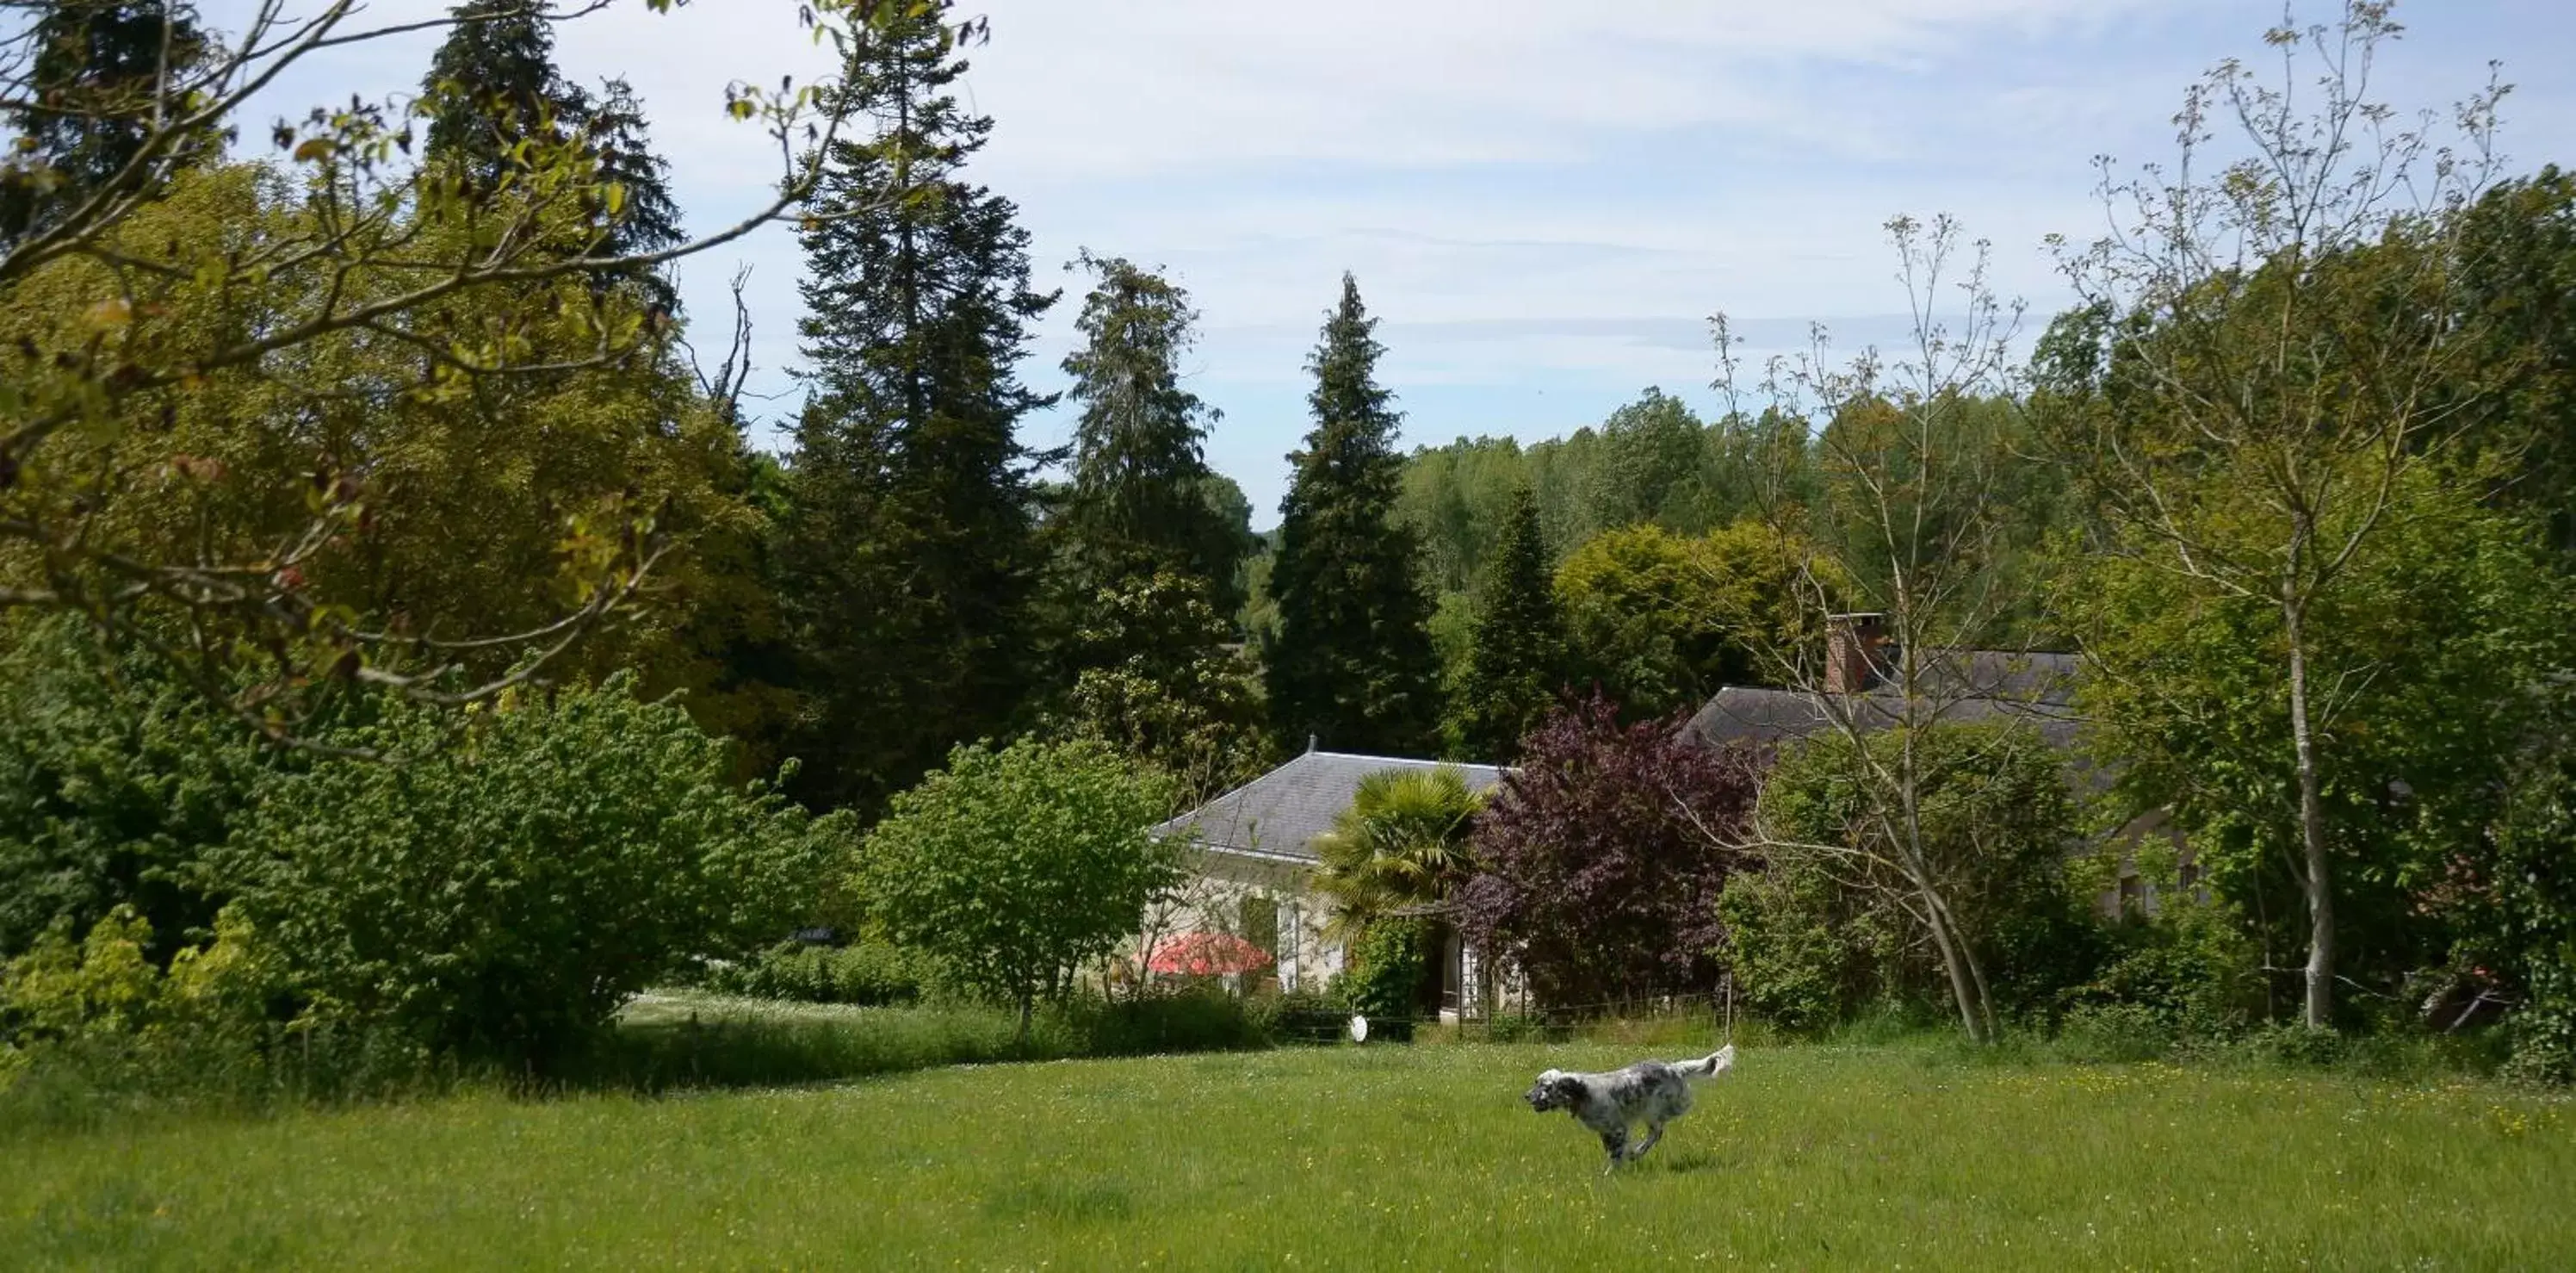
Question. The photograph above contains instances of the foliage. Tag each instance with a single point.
(908, 558)
(116, 781)
(1138, 505)
(1402, 842)
(1660, 623)
(2435, 636)
(1389, 965)
(2188, 972)
(1992, 824)
(2517, 277)
(1600, 862)
(2517, 908)
(868, 974)
(498, 886)
(1162, 682)
(1351, 663)
(1804, 956)
(223, 381)
(1016, 867)
(1516, 668)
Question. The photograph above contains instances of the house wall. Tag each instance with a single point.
(1212, 901)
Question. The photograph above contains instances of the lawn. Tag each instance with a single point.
(1344, 1158)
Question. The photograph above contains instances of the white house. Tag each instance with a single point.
(1254, 862)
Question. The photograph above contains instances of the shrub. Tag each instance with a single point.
(1385, 976)
(869, 974)
(1299, 1016)
(496, 887)
(1016, 867)
(2191, 967)
(1601, 860)
(115, 783)
(1801, 960)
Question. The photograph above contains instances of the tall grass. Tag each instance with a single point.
(1351, 1157)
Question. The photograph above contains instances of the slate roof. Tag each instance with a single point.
(1279, 814)
(1969, 686)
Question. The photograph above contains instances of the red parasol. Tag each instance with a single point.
(1208, 955)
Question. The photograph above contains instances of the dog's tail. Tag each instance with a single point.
(1707, 1067)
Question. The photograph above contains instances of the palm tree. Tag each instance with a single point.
(1403, 842)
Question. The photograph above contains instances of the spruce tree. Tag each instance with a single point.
(908, 552)
(493, 84)
(1351, 664)
(1517, 663)
(1137, 504)
(98, 69)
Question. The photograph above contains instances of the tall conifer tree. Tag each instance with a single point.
(1138, 502)
(98, 67)
(908, 553)
(493, 84)
(1517, 664)
(1352, 664)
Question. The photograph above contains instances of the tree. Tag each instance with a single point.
(908, 555)
(1137, 505)
(1660, 622)
(2267, 355)
(1994, 827)
(1401, 843)
(1597, 872)
(1018, 867)
(1162, 682)
(493, 86)
(1649, 468)
(1910, 531)
(1517, 666)
(2517, 264)
(83, 72)
(1352, 663)
(2442, 639)
(374, 251)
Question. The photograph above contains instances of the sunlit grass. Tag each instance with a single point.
(1345, 1158)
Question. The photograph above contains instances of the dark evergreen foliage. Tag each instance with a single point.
(98, 68)
(908, 553)
(493, 84)
(1352, 663)
(1138, 503)
(1518, 663)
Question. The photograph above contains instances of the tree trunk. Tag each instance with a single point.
(1963, 991)
(2318, 1012)
(1028, 1001)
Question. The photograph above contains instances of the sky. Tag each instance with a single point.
(1543, 202)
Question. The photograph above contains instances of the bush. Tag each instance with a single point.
(496, 887)
(1299, 1016)
(1017, 867)
(1385, 976)
(1801, 961)
(869, 974)
(116, 781)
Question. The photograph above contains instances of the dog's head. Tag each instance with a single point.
(1555, 1089)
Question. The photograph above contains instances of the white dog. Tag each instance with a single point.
(1651, 1092)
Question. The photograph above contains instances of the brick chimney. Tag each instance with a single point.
(1854, 651)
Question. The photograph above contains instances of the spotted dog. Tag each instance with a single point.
(1649, 1092)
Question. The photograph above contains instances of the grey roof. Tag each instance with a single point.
(1763, 718)
(1279, 814)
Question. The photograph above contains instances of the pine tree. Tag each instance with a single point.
(908, 553)
(97, 70)
(1351, 664)
(1138, 503)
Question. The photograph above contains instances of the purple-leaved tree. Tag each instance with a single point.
(1599, 864)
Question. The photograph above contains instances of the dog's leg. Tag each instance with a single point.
(1616, 1141)
(1654, 1132)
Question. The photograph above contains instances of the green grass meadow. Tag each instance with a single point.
(1346, 1157)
